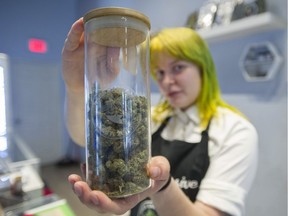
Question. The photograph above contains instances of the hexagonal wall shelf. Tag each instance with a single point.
(260, 62)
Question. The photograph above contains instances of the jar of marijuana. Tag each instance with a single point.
(117, 101)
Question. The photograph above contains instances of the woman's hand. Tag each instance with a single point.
(158, 170)
(103, 64)
(73, 57)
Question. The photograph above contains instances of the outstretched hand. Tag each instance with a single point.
(158, 170)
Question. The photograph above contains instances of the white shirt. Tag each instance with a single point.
(233, 152)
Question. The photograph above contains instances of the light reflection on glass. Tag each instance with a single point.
(3, 143)
(3, 139)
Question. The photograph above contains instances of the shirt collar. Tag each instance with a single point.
(190, 114)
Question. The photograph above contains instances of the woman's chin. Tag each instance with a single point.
(176, 104)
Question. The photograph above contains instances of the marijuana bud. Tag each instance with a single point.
(117, 142)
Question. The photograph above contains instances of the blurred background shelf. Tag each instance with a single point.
(243, 27)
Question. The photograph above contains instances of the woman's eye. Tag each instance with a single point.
(177, 68)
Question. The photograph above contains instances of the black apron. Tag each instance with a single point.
(188, 161)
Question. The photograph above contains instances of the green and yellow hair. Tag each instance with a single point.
(185, 44)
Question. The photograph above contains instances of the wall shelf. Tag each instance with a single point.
(247, 26)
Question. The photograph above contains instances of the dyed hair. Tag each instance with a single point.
(185, 44)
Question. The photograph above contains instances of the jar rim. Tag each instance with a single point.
(116, 11)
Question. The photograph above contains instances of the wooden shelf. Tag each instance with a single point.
(247, 26)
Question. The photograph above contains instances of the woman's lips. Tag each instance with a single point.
(173, 94)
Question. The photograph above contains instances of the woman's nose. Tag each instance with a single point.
(168, 79)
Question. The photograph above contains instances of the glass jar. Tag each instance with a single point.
(117, 101)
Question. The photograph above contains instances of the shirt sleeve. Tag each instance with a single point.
(232, 168)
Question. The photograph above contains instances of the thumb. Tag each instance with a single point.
(159, 171)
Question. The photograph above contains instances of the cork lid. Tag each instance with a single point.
(117, 36)
(116, 11)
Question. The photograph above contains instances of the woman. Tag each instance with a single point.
(208, 146)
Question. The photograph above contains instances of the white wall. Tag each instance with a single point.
(38, 108)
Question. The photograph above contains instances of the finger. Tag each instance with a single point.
(74, 178)
(82, 190)
(159, 168)
(102, 203)
(113, 55)
(97, 200)
(129, 59)
(75, 36)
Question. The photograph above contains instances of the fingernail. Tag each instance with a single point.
(155, 172)
(95, 200)
(77, 190)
